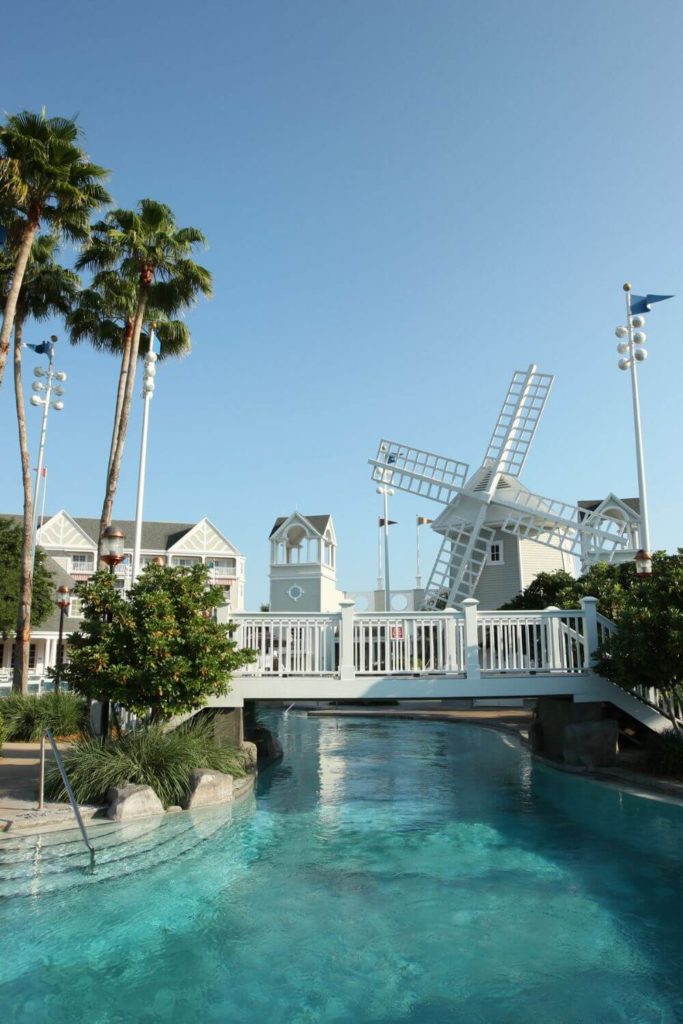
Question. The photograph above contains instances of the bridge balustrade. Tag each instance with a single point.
(452, 642)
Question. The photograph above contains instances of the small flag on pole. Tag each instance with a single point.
(643, 303)
(387, 522)
(423, 521)
(44, 349)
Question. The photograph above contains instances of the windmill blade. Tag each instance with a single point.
(418, 472)
(513, 433)
(458, 565)
(557, 525)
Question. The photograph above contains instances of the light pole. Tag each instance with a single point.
(43, 397)
(112, 554)
(632, 350)
(147, 392)
(63, 600)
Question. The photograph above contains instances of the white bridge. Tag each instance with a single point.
(434, 654)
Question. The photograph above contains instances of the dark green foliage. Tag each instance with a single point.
(611, 584)
(3, 734)
(160, 649)
(647, 649)
(149, 757)
(25, 717)
(10, 572)
(665, 753)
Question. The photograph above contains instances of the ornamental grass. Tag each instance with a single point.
(148, 756)
(26, 716)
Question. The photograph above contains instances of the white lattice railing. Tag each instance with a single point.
(302, 645)
(398, 644)
(549, 641)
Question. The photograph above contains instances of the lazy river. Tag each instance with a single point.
(386, 871)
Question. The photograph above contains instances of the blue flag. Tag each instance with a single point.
(643, 303)
(44, 349)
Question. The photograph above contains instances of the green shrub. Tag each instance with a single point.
(148, 757)
(26, 716)
(665, 753)
(3, 734)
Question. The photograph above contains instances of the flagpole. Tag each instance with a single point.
(380, 581)
(387, 585)
(640, 458)
(418, 577)
(41, 447)
(42, 511)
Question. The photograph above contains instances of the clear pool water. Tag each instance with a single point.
(390, 871)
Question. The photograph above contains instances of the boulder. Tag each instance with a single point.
(128, 802)
(208, 787)
(251, 753)
(591, 744)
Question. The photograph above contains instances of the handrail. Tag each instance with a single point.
(67, 786)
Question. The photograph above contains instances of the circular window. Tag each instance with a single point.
(295, 592)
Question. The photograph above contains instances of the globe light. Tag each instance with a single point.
(640, 354)
(37, 386)
(58, 406)
(640, 337)
(621, 332)
(38, 371)
(57, 390)
(622, 347)
(60, 376)
(35, 400)
(624, 364)
(638, 321)
(150, 370)
(151, 357)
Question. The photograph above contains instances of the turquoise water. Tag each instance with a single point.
(385, 872)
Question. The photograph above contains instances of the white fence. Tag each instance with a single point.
(466, 643)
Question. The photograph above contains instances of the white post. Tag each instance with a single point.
(452, 641)
(418, 577)
(556, 659)
(387, 585)
(41, 447)
(472, 668)
(589, 607)
(640, 459)
(347, 668)
(147, 391)
(380, 581)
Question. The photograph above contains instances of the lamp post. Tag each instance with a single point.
(112, 554)
(632, 350)
(147, 392)
(44, 388)
(63, 601)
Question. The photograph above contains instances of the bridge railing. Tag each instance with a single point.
(463, 642)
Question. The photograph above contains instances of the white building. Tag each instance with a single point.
(71, 546)
(303, 564)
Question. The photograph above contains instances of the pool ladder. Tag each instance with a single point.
(67, 786)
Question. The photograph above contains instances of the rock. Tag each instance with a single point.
(268, 746)
(127, 802)
(251, 753)
(208, 787)
(591, 744)
(174, 809)
(536, 737)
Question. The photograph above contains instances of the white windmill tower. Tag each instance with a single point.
(493, 498)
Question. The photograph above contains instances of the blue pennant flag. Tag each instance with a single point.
(44, 349)
(643, 303)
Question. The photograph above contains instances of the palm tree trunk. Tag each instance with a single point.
(117, 453)
(120, 392)
(13, 293)
(23, 640)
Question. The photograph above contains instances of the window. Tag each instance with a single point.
(186, 562)
(496, 553)
(75, 611)
(31, 655)
(82, 562)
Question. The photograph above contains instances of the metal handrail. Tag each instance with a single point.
(67, 786)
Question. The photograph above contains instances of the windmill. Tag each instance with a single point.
(493, 497)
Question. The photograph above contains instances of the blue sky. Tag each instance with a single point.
(405, 202)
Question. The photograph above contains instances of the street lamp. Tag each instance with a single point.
(63, 601)
(112, 554)
(631, 348)
(43, 389)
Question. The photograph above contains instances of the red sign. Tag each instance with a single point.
(397, 632)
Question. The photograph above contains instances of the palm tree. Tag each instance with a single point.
(47, 288)
(105, 314)
(146, 248)
(47, 180)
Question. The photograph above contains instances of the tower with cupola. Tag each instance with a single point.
(303, 564)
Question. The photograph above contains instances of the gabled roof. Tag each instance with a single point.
(155, 536)
(630, 503)
(318, 523)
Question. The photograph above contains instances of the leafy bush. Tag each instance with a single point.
(665, 753)
(3, 735)
(148, 757)
(25, 716)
